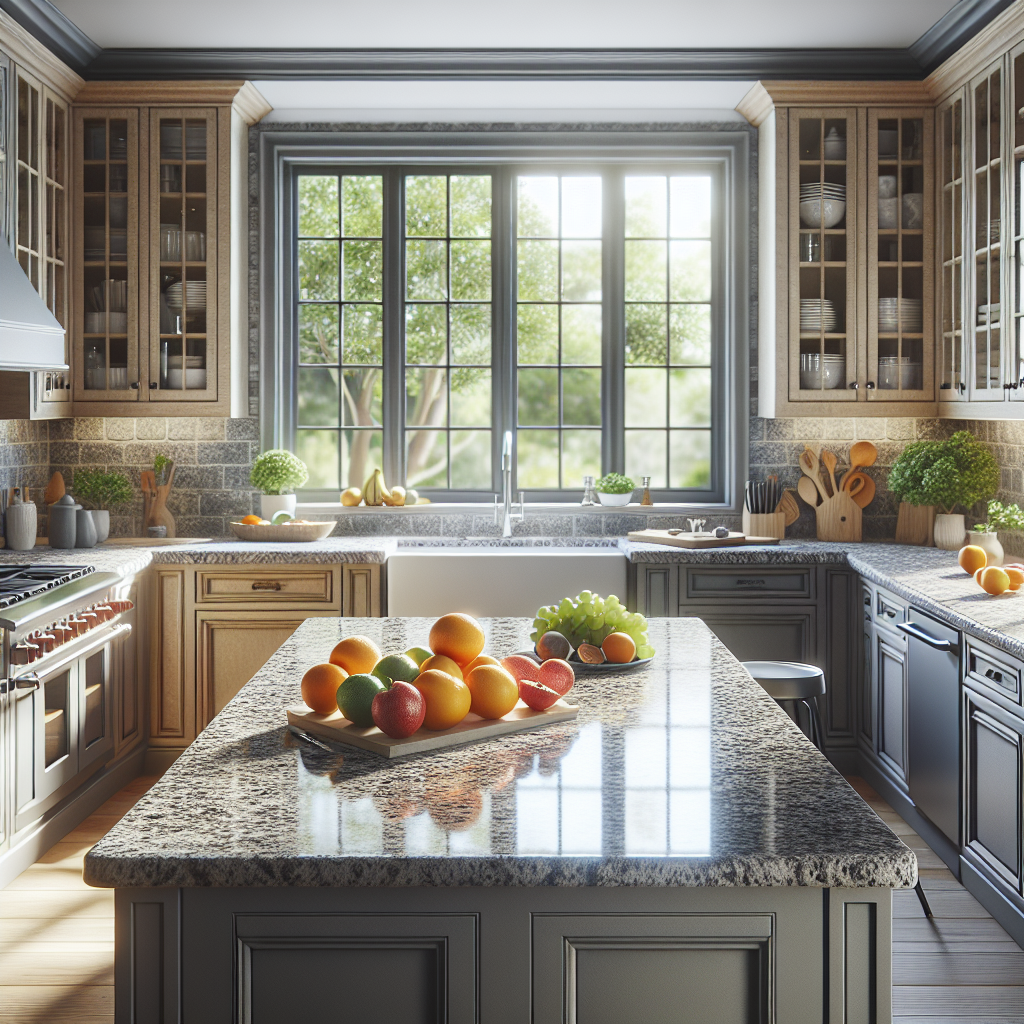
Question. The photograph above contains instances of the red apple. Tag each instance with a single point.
(536, 695)
(399, 710)
(557, 675)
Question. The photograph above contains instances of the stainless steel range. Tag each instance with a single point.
(61, 631)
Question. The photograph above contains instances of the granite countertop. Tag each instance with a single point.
(330, 551)
(684, 773)
(125, 560)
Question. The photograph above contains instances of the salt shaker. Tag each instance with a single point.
(646, 499)
(588, 491)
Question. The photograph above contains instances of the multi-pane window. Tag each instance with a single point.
(340, 327)
(436, 309)
(668, 330)
(558, 329)
(448, 331)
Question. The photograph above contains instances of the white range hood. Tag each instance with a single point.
(30, 336)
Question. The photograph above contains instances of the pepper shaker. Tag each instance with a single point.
(588, 491)
(646, 499)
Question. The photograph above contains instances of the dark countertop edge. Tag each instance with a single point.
(820, 870)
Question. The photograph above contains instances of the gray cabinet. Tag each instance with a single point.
(891, 664)
(758, 634)
(867, 707)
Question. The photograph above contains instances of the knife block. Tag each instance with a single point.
(772, 524)
(839, 518)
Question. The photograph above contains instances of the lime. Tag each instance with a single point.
(355, 697)
(396, 666)
(281, 517)
(419, 654)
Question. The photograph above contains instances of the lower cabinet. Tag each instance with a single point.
(891, 670)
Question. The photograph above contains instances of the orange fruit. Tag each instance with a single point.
(619, 648)
(448, 699)
(972, 558)
(356, 654)
(251, 520)
(481, 659)
(457, 636)
(320, 688)
(993, 580)
(493, 690)
(442, 664)
(1016, 576)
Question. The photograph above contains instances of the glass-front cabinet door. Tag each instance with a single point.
(1016, 370)
(183, 244)
(899, 246)
(951, 209)
(106, 284)
(987, 370)
(823, 272)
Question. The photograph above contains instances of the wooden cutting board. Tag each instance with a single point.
(696, 540)
(472, 729)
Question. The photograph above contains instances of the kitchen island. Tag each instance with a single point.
(679, 852)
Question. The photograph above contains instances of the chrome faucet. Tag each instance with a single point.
(507, 515)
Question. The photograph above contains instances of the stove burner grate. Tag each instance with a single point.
(18, 582)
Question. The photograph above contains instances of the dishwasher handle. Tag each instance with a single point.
(926, 638)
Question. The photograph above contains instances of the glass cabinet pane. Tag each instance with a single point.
(183, 184)
(1017, 228)
(952, 381)
(987, 369)
(822, 252)
(28, 225)
(57, 718)
(900, 239)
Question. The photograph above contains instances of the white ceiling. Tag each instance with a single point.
(689, 24)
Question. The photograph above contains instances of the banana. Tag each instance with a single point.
(375, 491)
(351, 497)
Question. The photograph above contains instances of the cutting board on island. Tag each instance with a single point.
(696, 540)
(472, 729)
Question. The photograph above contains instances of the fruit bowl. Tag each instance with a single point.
(584, 668)
(297, 533)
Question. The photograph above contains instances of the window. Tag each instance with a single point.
(590, 305)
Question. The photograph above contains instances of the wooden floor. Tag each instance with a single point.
(960, 967)
(57, 938)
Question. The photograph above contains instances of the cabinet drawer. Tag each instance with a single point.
(889, 610)
(308, 586)
(795, 584)
(992, 671)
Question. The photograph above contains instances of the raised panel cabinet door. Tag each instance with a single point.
(866, 706)
(891, 664)
(657, 593)
(841, 591)
(361, 591)
(128, 680)
(994, 766)
(172, 706)
(753, 633)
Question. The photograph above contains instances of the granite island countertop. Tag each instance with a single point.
(684, 773)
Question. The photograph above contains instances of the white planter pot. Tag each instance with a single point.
(101, 520)
(615, 499)
(273, 503)
(989, 542)
(949, 532)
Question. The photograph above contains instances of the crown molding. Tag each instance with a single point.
(980, 51)
(243, 96)
(27, 52)
(955, 28)
(61, 36)
(764, 96)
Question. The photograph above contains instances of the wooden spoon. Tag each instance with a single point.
(863, 494)
(862, 454)
(806, 489)
(812, 469)
(788, 507)
(829, 461)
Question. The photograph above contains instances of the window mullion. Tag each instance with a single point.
(503, 346)
(393, 408)
(613, 346)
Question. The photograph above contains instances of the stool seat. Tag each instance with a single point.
(788, 680)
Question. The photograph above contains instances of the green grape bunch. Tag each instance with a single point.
(588, 618)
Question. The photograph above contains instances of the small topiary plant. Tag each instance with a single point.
(102, 490)
(278, 472)
(615, 483)
(958, 471)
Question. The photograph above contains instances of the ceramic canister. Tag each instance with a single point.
(85, 528)
(62, 522)
(20, 525)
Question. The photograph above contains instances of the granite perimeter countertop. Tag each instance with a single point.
(684, 773)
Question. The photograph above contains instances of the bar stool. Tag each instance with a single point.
(793, 681)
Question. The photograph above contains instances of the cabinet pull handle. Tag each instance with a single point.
(134, 385)
(935, 642)
(266, 585)
(30, 681)
(992, 674)
(854, 385)
(153, 385)
(891, 612)
(870, 385)
(751, 583)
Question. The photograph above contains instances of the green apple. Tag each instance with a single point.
(396, 666)
(419, 654)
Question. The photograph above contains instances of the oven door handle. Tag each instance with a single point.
(29, 681)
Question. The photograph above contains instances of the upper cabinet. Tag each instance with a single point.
(847, 217)
(156, 322)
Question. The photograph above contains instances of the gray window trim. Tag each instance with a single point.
(282, 154)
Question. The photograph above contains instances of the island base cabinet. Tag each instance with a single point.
(503, 955)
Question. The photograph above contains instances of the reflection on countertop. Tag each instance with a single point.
(684, 773)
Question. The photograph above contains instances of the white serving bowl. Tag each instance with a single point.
(822, 213)
(615, 499)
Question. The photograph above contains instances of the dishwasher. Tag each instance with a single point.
(933, 720)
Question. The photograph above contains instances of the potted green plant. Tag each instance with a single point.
(277, 473)
(102, 492)
(999, 518)
(957, 471)
(615, 489)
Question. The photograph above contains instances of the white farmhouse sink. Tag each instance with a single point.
(499, 581)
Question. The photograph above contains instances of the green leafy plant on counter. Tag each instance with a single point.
(160, 463)
(957, 471)
(102, 490)
(278, 472)
(615, 483)
(1001, 518)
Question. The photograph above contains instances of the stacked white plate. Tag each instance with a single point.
(988, 315)
(194, 294)
(822, 204)
(817, 371)
(899, 314)
(817, 315)
(898, 372)
(829, 189)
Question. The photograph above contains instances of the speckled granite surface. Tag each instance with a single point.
(783, 553)
(127, 561)
(684, 773)
(329, 551)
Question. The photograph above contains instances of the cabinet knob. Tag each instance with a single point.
(854, 385)
(153, 385)
(134, 385)
(870, 385)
